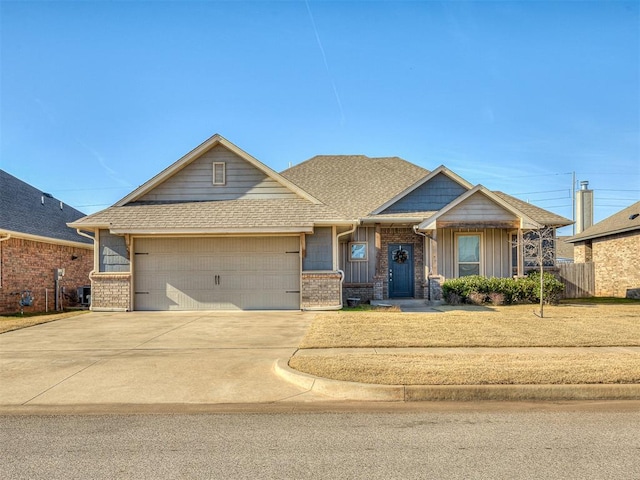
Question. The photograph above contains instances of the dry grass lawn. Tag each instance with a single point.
(8, 324)
(492, 327)
(475, 368)
(511, 326)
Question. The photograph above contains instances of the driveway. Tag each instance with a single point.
(152, 358)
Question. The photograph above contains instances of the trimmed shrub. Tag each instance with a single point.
(478, 290)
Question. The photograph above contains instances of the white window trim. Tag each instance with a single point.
(366, 252)
(457, 250)
(223, 180)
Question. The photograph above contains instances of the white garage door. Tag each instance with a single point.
(217, 273)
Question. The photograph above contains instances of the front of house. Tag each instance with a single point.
(219, 230)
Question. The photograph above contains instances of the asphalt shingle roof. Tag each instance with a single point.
(540, 215)
(620, 222)
(201, 216)
(22, 210)
(354, 184)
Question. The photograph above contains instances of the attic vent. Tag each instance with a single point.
(219, 173)
(634, 216)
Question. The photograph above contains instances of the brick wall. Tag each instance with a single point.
(111, 291)
(616, 259)
(582, 252)
(363, 291)
(406, 236)
(29, 265)
(320, 289)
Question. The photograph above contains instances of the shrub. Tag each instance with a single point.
(478, 290)
(496, 298)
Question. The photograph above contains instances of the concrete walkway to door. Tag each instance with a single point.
(152, 358)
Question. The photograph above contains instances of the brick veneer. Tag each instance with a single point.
(29, 265)
(616, 259)
(363, 291)
(111, 291)
(406, 236)
(320, 289)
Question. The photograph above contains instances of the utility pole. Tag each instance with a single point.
(573, 200)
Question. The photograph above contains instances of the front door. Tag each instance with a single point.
(400, 270)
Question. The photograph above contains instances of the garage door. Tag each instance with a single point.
(217, 273)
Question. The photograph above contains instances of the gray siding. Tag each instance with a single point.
(495, 251)
(113, 253)
(431, 196)
(195, 181)
(478, 208)
(319, 251)
(359, 272)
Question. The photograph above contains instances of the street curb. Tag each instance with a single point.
(418, 393)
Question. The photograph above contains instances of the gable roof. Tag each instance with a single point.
(539, 215)
(354, 185)
(526, 221)
(29, 211)
(440, 170)
(626, 220)
(208, 144)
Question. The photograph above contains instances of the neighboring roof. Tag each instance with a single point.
(27, 210)
(229, 216)
(564, 249)
(540, 215)
(354, 184)
(626, 220)
(199, 151)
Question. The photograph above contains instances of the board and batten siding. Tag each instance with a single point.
(359, 272)
(319, 250)
(495, 251)
(113, 256)
(195, 181)
(478, 209)
(431, 196)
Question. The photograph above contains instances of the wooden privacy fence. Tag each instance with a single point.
(578, 279)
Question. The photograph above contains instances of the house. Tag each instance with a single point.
(613, 246)
(36, 246)
(218, 229)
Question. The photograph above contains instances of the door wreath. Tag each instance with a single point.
(400, 256)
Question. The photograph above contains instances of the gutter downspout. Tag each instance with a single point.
(348, 232)
(2, 239)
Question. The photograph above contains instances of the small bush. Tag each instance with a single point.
(496, 298)
(498, 291)
(477, 298)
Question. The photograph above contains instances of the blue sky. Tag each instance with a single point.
(97, 97)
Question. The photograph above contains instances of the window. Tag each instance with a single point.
(358, 251)
(468, 255)
(219, 173)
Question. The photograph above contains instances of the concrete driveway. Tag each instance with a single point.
(152, 358)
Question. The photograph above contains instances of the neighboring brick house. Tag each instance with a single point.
(35, 241)
(613, 245)
(219, 230)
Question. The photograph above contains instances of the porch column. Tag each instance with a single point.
(434, 279)
(520, 254)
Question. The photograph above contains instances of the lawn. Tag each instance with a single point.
(16, 322)
(508, 326)
(493, 329)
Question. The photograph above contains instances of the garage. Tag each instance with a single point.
(217, 273)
